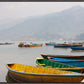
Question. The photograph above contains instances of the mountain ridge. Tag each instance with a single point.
(65, 24)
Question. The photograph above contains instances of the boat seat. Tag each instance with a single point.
(65, 66)
(41, 64)
(51, 63)
(56, 65)
(61, 65)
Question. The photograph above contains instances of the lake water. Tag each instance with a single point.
(14, 54)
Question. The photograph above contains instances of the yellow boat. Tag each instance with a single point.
(32, 74)
(29, 45)
(35, 45)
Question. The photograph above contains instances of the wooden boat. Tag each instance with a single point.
(67, 45)
(29, 45)
(35, 45)
(77, 48)
(56, 65)
(50, 43)
(25, 73)
(23, 45)
(45, 56)
(78, 63)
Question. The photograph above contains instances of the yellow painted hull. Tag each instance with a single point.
(31, 78)
(32, 45)
(25, 73)
(38, 45)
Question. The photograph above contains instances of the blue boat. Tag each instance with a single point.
(60, 45)
(78, 63)
(50, 43)
(77, 48)
(66, 45)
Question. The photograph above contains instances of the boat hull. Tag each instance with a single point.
(50, 44)
(77, 48)
(65, 46)
(25, 78)
(77, 63)
(28, 45)
(63, 56)
(38, 45)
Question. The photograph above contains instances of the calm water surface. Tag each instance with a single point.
(14, 54)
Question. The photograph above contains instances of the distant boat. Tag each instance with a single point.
(23, 45)
(29, 45)
(73, 62)
(77, 48)
(57, 65)
(6, 43)
(45, 56)
(35, 45)
(50, 43)
(31, 74)
(66, 45)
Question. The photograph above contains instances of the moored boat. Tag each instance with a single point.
(6, 43)
(23, 45)
(50, 43)
(57, 65)
(78, 63)
(35, 45)
(25, 73)
(67, 45)
(45, 56)
(77, 48)
(29, 45)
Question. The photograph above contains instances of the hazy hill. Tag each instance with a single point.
(66, 24)
(9, 23)
(80, 37)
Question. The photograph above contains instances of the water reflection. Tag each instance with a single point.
(9, 79)
(77, 50)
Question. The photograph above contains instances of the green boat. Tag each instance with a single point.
(40, 62)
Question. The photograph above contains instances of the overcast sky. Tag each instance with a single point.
(25, 9)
